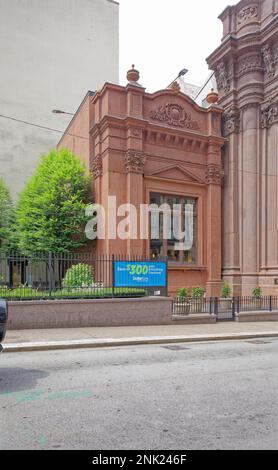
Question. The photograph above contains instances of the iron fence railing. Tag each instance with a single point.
(224, 308)
(65, 275)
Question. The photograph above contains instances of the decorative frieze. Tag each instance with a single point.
(174, 115)
(134, 161)
(247, 14)
(96, 167)
(268, 60)
(214, 174)
(250, 63)
(269, 113)
(231, 121)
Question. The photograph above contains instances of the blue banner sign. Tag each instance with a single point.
(140, 274)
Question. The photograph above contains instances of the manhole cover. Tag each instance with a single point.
(176, 348)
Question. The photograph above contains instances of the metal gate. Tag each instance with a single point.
(225, 309)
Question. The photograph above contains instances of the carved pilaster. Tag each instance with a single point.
(214, 174)
(96, 167)
(231, 121)
(269, 113)
(134, 161)
(268, 60)
(223, 77)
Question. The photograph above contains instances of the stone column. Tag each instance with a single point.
(213, 179)
(230, 208)
(134, 163)
(249, 176)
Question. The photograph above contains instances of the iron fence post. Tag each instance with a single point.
(49, 273)
(233, 308)
(216, 306)
(113, 276)
(210, 305)
(270, 303)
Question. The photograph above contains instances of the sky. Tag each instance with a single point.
(161, 37)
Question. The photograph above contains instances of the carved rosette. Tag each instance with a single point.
(174, 115)
(134, 161)
(214, 174)
(269, 114)
(247, 14)
(96, 167)
(231, 121)
(268, 59)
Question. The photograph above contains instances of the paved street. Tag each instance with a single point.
(194, 396)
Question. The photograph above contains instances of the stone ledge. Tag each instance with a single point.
(256, 316)
(194, 319)
(89, 313)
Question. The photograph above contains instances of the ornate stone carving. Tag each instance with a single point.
(275, 53)
(231, 120)
(222, 77)
(134, 161)
(214, 174)
(246, 14)
(96, 167)
(174, 115)
(269, 113)
(135, 132)
(250, 63)
(268, 61)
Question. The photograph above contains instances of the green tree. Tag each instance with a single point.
(51, 210)
(7, 240)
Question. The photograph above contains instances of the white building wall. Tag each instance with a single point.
(51, 53)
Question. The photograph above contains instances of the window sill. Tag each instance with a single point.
(185, 267)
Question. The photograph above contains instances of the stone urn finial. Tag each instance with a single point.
(133, 75)
(212, 97)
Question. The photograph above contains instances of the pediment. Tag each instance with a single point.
(178, 111)
(176, 172)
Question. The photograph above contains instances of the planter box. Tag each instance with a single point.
(197, 306)
(181, 308)
(225, 304)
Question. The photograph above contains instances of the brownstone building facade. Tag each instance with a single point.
(246, 68)
(156, 148)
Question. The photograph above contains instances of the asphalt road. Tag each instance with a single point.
(194, 396)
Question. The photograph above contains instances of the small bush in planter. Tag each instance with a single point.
(197, 296)
(78, 276)
(183, 293)
(198, 292)
(226, 291)
(257, 292)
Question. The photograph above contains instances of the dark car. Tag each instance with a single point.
(3, 321)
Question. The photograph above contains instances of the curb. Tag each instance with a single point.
(110, 342)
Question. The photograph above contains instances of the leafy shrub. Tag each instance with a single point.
(79, 275)
(226, 291)
(257, 292)
(198, 292)
(183, 293)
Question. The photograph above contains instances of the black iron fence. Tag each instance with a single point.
(65, 275)
(224, 309)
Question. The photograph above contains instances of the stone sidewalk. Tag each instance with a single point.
(30, 340)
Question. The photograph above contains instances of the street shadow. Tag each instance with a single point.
(15, 379)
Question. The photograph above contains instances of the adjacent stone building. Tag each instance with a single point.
(51, 53)
(246, 68)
